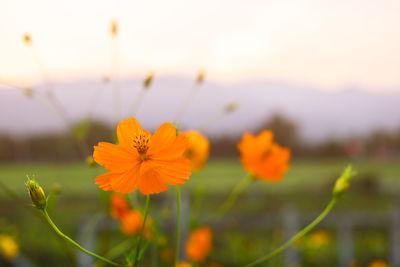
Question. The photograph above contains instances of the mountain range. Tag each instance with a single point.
(319, 114)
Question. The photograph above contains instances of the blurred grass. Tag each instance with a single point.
(218, 176)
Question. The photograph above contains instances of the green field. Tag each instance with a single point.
(218, 176)
(307, 186)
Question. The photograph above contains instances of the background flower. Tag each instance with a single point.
(262, 157)
(198, 149)
(199, 244)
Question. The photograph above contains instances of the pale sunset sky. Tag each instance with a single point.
(327, 44)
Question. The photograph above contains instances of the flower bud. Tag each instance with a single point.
(36, 194)
(90, 162)
(27, 39)
(106, 79)
(148, 80)
(114, 28)
(231, 107)
(56, 189)
(343, 182)
(200, 77)
(29, 92)
(176, 128)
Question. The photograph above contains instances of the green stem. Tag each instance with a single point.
(237, 190)
(46, 215)
(178, 224)
(299, 235)
(119, 249)
(146, 211)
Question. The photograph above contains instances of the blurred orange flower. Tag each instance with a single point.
(183, 264)
(264, 158)
(198, 150)
(132, 222)
(318, 239)
(142, 160)
(378, 263)
(8, 247)
(199, 244)
(119, 206)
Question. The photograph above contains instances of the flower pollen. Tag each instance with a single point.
(141, 143)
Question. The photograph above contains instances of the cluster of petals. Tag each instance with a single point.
(199, 244)
(264, 158)
(141, 160)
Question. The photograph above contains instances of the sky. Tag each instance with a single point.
(327, 44)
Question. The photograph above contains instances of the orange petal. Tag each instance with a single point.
(162, 138)
(172, 151)
(151, 183)
(126, 129)
(114, 158)
(127, 181)
(175, 171)
(103, 181)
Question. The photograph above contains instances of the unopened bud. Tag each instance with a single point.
(27, 39)
(148, 80)
(200, 77)
(114, 28)
(56, 189)
(231, 107)
(343, 182)
(90, 162)
(176, 128)
(36, 194)
(28, 92)
(106, 79)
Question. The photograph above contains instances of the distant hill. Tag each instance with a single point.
(319, 114)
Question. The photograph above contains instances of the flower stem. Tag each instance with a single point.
(47, 217)
(146, 211)
(178, 224)
(299, 235)
(237, 190)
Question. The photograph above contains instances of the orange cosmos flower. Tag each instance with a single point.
(132, 222)
(378, 263)
(198, 150)
(142, 160)
(119, 206)
(199, 244)
(262, 157)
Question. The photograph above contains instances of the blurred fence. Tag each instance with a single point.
(343, 224)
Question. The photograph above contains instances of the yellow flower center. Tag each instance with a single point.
(141, 143)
